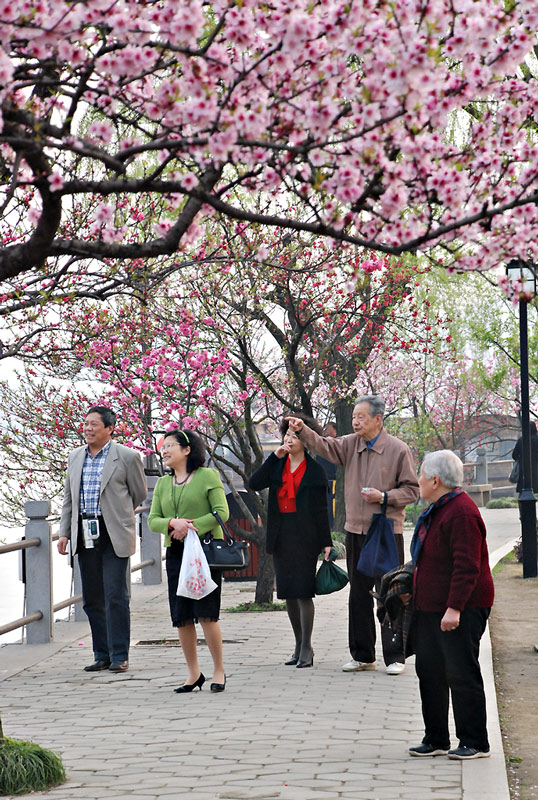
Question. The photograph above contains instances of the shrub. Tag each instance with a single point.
(27, 767)
(250, 607)
(338, 550)
(502, 502)
(518, 549)
(412, 512)
(338, 536)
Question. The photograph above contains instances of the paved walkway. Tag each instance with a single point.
(275, 733)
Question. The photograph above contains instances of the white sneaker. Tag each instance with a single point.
(358, 666)
(396, 668)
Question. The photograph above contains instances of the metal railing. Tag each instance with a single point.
(38, 572)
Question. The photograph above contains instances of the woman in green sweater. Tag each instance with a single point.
(186, 499)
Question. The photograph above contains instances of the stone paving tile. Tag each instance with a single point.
(239, 794)
(169, 791)
(441, 793)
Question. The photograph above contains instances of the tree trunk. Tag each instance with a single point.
(266, 577)
(339, 502)
(343, 411)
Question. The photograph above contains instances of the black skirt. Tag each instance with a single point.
(294, 560)
(183, 610)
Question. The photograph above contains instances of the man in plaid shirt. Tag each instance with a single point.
(104, 484)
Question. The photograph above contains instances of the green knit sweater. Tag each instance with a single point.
(195, 500)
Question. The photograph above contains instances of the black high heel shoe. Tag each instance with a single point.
(291, 662)
(218, 687)
(305, 664)
(188, 687)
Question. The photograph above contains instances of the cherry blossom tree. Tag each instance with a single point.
(444, 403)
(463, 391)
(158, 367)
(297, 341)
(156, 374)
(398, 125)
(303, 321)
(484, 333)
(264, 324)
(316, 312)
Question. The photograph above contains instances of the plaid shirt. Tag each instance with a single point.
(90, 484)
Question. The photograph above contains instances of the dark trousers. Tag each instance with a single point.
(105, 597)
(448, 661)
(361, 607)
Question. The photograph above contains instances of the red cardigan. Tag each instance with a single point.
(453, 565)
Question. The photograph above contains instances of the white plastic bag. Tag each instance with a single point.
(195, 579)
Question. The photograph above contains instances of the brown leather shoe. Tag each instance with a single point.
(119, 666)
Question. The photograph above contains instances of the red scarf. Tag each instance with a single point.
(290, 483)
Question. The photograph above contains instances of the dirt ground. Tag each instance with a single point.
(514, 633)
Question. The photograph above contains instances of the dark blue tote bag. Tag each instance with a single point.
(379, 553)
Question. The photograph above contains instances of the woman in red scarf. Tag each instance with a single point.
(297, 531)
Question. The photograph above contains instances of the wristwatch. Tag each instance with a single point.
(382, 498)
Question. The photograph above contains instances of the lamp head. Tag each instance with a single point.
(524, 273)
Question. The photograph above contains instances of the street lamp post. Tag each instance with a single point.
(520, 270)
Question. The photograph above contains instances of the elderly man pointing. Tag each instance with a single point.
(378, 467)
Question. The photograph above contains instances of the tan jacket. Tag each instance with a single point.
(388, 466)
(123, 487)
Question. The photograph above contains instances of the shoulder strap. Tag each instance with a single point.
(226, 532)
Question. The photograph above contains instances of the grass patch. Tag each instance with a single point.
(508, 559)
(252, 607)
(27, 767)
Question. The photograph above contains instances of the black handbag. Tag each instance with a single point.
(225, 553)
(514, 474)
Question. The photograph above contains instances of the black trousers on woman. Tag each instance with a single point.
(447, 661)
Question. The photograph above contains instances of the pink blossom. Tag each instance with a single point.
(162, 227)
(370, 266)
(189, 181)
(262, 253)
(103, 213)
(56, 182)
(101, 130)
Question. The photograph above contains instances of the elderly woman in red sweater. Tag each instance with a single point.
(452, 596)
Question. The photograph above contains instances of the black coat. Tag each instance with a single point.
(311, 501)
(390, 608)
(517, 453)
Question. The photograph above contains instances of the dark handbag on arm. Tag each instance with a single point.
(514, 474)
(379, 553)
(225, 553)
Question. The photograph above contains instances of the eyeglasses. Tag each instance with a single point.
(171, 441)
(169, 445)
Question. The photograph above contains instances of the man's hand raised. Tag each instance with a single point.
(296, 424)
